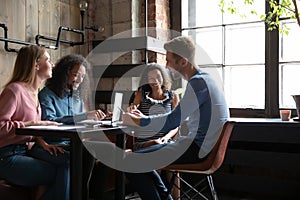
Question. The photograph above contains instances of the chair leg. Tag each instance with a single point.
(212, 188)
(172, 182)
(192, 188)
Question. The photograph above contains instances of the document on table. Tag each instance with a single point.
(55, 127)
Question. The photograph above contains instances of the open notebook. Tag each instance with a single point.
(116, 114)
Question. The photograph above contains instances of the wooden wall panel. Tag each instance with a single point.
(65, 21)
(27, 18)
(5, 58)
(44, 19)
(54, 26)
(75, 20)
(32, 16)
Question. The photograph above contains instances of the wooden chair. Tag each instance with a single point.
(207, 167)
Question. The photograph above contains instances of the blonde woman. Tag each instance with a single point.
(20, 108)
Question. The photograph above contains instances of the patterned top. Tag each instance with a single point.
(150, 106)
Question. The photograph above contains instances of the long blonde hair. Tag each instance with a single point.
(24, 69)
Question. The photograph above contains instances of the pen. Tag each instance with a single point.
(121, 109)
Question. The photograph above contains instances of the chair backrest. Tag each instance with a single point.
(215, 157)
(219, 150)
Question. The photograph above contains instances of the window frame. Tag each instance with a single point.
(271, 68)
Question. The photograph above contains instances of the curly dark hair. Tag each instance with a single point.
(58, 83)
(144, 85)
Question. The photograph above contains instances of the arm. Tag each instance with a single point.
(172, 133)
(16, 112)
(52, 149)
(56, 109)
(175, 100)
(136, 100)
(196, 94)
(8, 124)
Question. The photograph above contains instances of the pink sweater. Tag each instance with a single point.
(16, 107)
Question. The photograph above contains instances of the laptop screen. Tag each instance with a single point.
(117, 107)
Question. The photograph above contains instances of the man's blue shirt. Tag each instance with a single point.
(204, 108)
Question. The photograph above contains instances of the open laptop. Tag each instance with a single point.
(116, 113)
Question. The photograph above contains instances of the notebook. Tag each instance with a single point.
(116, 114)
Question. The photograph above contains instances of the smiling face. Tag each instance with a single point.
(155, 79)
(76, 77)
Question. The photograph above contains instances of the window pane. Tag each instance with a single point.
(245, 12)
(216, 74)
(245, 44)
(288, 84)
(196, 13)
(245, 86)
(210, 40)
(289, 42)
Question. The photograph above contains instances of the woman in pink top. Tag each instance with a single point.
(19, 108)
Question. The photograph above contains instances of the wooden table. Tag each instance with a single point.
(75, 133)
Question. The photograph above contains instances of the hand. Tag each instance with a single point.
(95, 115)
(109, 114)
(137, 113)
(164, 139)
(41, 123)
(130, 119)
(52, 149)
(132, 107)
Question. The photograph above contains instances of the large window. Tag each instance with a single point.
(239, 49)
(289, 64)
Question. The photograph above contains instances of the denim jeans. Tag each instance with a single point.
(20, 169)
(62, 162)
(62, 165)
(149, 185)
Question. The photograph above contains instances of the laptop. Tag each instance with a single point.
(116, 115)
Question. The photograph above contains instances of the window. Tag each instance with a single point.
(289, 64)
(248, 64)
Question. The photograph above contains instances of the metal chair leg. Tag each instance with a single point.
(212, 188)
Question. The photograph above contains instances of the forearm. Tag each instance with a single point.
(172, 133)
(40, 141)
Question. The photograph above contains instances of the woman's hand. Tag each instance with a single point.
(41, 123)
(137, 113)
(95, 115)
(52, 149)
(132, 107)
(164, 139)
(130, 119)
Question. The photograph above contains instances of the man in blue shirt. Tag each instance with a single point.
(204, 108)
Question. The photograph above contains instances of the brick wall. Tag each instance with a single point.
(126, 18)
